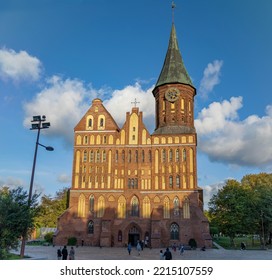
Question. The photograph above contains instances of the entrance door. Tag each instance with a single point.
(134, 235)
(133, 238)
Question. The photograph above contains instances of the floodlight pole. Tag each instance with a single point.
(38, 124)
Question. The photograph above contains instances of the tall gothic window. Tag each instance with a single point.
(171, 181)
(184, 155)
(121, 209)
(174, 231)
(178, 181)
(91, 203)
(116, 156)
(170, 155)
(146, 207)
(85, 156)
(90, 227)
(143, 156)
(163, 155)
(176, 206)
(177, 155)
(166, 208)
(134, 206)
(101, 207)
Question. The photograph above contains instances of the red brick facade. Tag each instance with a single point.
(129, 185)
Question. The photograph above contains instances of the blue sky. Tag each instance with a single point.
(57, 55)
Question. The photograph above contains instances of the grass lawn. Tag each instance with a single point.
(253, 244)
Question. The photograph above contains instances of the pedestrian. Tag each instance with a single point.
(167, 254)
(139, 248)
(129, 248)
(181, 251)
(64, 253)
(72, 254)
(161, 255)
(243, 246)
(82, 242)
(59, 253)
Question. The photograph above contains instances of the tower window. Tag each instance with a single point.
(171, 181)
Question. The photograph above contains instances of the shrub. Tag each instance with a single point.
(48, 237)
(72, 241)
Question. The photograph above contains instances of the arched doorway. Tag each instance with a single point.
(133, 235)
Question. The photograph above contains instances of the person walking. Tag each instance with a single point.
(139, 248)
(167, 254)
(64, 253)
(161, 255)
(72, 254)
(59, 254)
(129, 248)
(181, 251)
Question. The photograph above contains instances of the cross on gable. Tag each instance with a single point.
(135, 102)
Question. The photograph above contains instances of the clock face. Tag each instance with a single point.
(172, 94)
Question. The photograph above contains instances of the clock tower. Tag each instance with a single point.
(174, 94)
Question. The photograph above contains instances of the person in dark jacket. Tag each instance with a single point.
(64, 253)
(167, 254)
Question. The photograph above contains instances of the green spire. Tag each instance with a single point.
(173, 70)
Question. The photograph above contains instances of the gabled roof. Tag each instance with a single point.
(173, 70)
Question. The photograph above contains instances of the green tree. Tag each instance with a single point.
(51, 208)
(229, 209)
(16, 214)
(261, 212)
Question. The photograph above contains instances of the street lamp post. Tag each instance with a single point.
(38, 123)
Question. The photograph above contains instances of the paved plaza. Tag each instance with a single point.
(96, 253)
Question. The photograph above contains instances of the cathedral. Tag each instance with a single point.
(129, 184)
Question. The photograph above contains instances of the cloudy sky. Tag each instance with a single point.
(56, 56)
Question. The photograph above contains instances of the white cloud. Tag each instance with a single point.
(18, 66)
(64, 178)
(64, 102)
(211, 77)
(209, 191)
(225, 138)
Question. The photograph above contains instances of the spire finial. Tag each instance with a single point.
(173, 8)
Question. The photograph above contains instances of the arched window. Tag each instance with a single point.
(170, 155)
(103, 156)
(121, 210)
(176, 206)
(90, 227)
(177, 155)
(116, 156)
(166, 208)
(129, 156)
(184, 155)
(91, 203)
(85, 156)
(101, 207)
(186, 208)
(91, 156)
(123, 156)
(163, 155)
(178, 181)
(90, 122)
(174, 231)
(97, 156)
(171, 181)
(146, 207)
(81, 206)
(134, 206)
(101, 122)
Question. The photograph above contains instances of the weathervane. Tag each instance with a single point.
(173, 8)
(135, 103)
